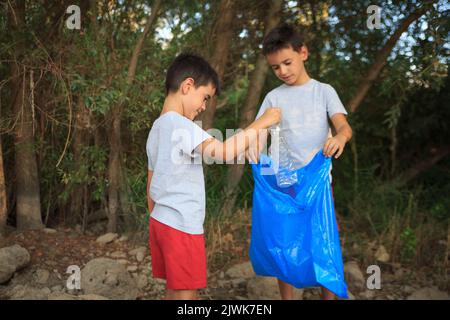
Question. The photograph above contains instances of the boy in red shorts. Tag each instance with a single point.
(175, 187)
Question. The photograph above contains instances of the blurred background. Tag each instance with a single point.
(77, 104)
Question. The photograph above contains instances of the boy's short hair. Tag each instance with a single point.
(187, 65)
(282, 37)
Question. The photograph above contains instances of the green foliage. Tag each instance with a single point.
(90, 172)
(409, 244)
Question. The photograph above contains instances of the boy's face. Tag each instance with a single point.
(288, 64)
(195, 99)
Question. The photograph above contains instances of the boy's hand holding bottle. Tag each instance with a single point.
(269, 118)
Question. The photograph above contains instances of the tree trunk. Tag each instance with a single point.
(374, 70)
(137, 49)
(224, 33)
(3, 199)
(117, 199)
(28, 204)
(28, 208)
(234, 173)
(81, 140)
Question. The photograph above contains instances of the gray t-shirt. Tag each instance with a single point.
(178, 185)
(305, 112)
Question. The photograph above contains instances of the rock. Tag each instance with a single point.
(368, 294)
(242, 270)
(132, 268)
(47, 291)
(238, 282)
(350, 296)
(429, 294)
(122, 239)
(41, 276)
(92, 297)
(108, 278)
(20, 292)
(12, 259)
(66, 296)
(58, 288)
(118, 255)
(142, 281)
(266, 288)
(381, 254)
(57, 274)
(107, 238)
(140, 256)
(49, 231)
(223, 283)
(6, 271)
(139, 253)
(123, 261)
(354, 275)
(407, 289)
(61, 296)
(73, 292)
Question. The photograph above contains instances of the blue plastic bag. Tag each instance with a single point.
(294, 231)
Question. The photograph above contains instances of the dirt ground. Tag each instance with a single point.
(54, 252)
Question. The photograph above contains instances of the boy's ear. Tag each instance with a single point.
(304, 52)
(186, 85)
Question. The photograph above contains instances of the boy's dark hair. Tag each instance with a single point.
(281, 37)
(188, 65)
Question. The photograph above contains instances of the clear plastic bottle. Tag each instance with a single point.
(286, 175)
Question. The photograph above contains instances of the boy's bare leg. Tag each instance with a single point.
(286, 290)
(327, 294)
(181, 294)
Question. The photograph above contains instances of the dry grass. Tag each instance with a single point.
(227, 239)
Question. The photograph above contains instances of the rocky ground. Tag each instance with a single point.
(34, 265)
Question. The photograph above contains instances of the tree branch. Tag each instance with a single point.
(380, 60)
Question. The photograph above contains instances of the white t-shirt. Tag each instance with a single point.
(178, 185)
(305, 112)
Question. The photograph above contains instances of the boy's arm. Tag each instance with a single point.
(237, 144)
(336, 144)
(150, 202)
(253, 152)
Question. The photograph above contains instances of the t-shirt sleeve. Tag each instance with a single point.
(149, 156)
(150, 164)
(333, 103)
(267, 103)
(195, 136)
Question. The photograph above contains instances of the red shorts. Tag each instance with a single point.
(178, 257)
